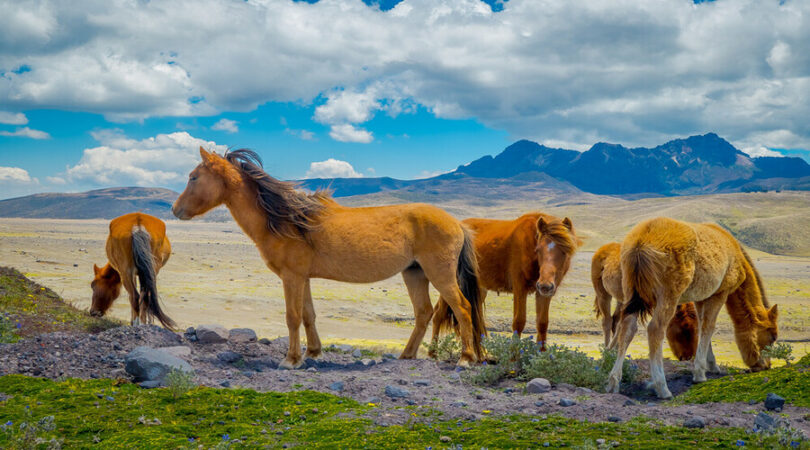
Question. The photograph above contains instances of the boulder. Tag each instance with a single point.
(396, 392)
(538, 386)
(180, 351)
(337, 386)
(421, 382)
(565, 402)
(229, 357)
(242, 335)
(212, 334)
(695, 422)
(149, 364)
(774, 402)
(764, 422)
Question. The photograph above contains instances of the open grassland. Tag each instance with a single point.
(216, 275)
(112, 414)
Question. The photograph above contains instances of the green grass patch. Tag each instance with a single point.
(30, 309)
(791, 382)
(116, 414)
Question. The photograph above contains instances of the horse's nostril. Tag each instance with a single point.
(545, 288)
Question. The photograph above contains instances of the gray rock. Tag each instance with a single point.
(614, 419)
(149, 364)
(229, 357)
(375, 400)
(539, 403)
(630, 402)
(150, 384)
(421, 382)
(225, 383)
(212, 334)
(346, 348)
(264, 341)
(337, 386)
(695, 422)
(389, 356)
(242, 335)
(538, 386)
(764, 422)
(774, 402)
(368, 362)
(357, 353)
(455, 376)
(458, 404)
(566, 386)
(396, 392)
(565, 402)
(180, 351)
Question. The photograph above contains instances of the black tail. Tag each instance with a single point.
(145, 264)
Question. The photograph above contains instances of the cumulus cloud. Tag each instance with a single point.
(15, 174)
(26, 132)
(15, 181)
(332, 168)
(226, 125)
(162, 160)
(13, 118)
(574, 72)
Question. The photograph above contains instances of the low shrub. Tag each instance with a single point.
(179, 382)
(779, 350)
(446, 348)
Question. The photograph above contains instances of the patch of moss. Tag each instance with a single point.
(791, 382)
(116, 414)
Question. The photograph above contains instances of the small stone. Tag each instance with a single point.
(695, 422)
(565, 402)
(410, 402)
(211, 334)
(458, 404)
(630, 402)
(229, 357)
(149, 384)
(600, 442)
(357, 353)
(539, 403)
(455, 376)
(421, 382)
(337, 386)
(774, 402)
(389, 356)
(376, 400)
(396, 392)
(345, 348)
(538, 386)
(614, 419)
(312, 369)
(368, 362)
(225, 383)
(444, 438)
(110, 399)
(242, 335)
(764, 422)
(264, 341)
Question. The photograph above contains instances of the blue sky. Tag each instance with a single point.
(109, 93)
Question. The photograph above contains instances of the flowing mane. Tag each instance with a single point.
(290, 212)
(561, 235)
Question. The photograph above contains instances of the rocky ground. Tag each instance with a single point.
(239, 361)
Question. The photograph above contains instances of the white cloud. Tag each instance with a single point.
(15, 174)
(13, 118)
(26, 132)
(349, 133)
(163, 160)
(332, 168)
(575, 72)
(760, 151)
(304, 135)
(15, 182)
(226, 125)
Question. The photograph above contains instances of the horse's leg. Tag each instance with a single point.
(418, 290)
(438, 311)
(519, 310)
(294, 299)
(602, 303)
(542, 303)
(707, 311)
(712, 362)
(624, 335)
(443, 276)
(128, 280)
(313, 340)
(656, 331)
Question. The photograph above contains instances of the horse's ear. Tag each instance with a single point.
(541, 225)
(773, 313)
(205, 155)
(96, 270)
(568, 224)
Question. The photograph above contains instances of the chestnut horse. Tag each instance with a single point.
(666, 262)
(303, 236)
(137, 246)
(529, 254)
(606, 276)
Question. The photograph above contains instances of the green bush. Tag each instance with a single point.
(446, 348)
(779, 350)
(8, 330)
(513, 357)
(179, 382)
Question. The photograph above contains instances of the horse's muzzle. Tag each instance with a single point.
(179, 213)
(96, 313)
(546, 289)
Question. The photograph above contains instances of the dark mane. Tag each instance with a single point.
(290, 212)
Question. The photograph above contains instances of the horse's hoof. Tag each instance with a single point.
(463, 363)
(290, 364)
(313, 353)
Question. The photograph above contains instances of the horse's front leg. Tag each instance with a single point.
(294, 288)
(519, 310)
(707, 311)
(542, 304)
(313, 340)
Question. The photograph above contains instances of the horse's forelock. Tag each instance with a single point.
(562, 236)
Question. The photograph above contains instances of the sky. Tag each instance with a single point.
(105, 93)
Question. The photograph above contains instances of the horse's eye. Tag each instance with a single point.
(192, 178)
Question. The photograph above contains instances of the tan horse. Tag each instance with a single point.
(606, 276)
(529, 254)
(136, 247)
(666, 262)
(304, 236)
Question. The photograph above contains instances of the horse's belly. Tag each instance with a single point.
(360, 268)
(704, 285)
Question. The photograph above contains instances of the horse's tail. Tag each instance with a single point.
(145, 265)
(642, 268)
(760, 285)
(467, 275)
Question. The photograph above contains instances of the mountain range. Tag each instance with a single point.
(703, 164)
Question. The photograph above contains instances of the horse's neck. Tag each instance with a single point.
(746, 302)
(246, 212)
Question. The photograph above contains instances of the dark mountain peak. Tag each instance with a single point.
(709, 148)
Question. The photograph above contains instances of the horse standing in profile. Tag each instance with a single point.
(136, 247)
(606, 276)
(529, 254)
(666, 262)
(303, 236)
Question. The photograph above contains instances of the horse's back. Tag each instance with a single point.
(119, 242)
(122, 226)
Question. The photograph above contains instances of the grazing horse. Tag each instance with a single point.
(606, 275)
(529, 254)
(303, 236)
(137, 246)
(666, 262)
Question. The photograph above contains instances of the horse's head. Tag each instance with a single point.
(206, 188)
(106, 287)
(767, 331)
(556, 244)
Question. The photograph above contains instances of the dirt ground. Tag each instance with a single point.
(215, 275)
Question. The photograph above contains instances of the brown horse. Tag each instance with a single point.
(303, 236)
(137, 246)
(606, 276)
(529, 254)
(666, 262)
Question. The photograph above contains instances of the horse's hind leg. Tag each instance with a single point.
(656, 330)
(624, 335)
(707, 311)
(443, 277)
(417, 285)
(313, 340)
(128, 280)
(602, 303)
